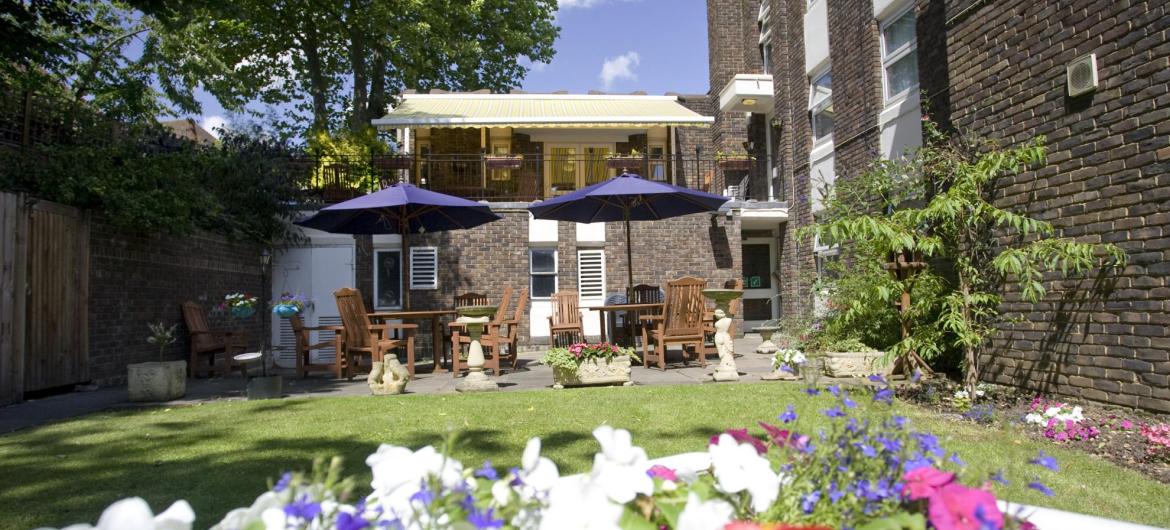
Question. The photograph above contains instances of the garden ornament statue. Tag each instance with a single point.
(726, 371)
(475, 316)
(388, 377)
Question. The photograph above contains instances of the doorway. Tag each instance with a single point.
(571, 167)
(760, 286)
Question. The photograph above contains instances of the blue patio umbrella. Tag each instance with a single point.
(627, 197)
(401, 209)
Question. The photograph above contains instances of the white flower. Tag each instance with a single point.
(980, 393)
(799, 357)
(699, 515)
(961, 394)
(738, 467)
(1052, 411)
(580, 504)
(399, 474)
(501, 493)
(241, 518)
(135, 514)
(620, 468)
(538, 473)
(1035, 418)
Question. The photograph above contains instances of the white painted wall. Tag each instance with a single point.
(816, 36)
(901, 127)
(885, 8)
(316, 271)
(591, 232)
(821, 173)
(541, 230)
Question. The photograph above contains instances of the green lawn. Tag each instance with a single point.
(219, 456)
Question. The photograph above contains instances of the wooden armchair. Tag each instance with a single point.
(305, 346)
(709, 319)
(510, 338)
(641, 294)
(491, 333)
(359, 337)
(208, 342)
(565, 318)
(681, 322)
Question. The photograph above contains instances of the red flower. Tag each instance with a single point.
(924, 482)
(662, 472)
(780, 437)
(957, 507)
(742, 436)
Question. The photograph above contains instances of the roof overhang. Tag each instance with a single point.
(747, 93)
(540, 110)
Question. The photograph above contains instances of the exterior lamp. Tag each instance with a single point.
(750, 102)
(265, 257)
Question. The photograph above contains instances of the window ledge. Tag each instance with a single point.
(899, 106)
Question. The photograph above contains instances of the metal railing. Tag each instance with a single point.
(517, 178)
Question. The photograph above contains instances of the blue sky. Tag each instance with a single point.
(657, 46)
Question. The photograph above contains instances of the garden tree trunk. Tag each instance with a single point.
(378, 100)
(317, 86)
(970, 351)
(358, 62)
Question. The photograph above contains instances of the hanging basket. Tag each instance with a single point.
(286, 310)
(242, 312)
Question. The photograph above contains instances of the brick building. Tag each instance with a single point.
(850, 80)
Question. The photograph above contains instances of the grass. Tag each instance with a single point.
(221, 455)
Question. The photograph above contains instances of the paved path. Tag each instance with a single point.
(530, 376)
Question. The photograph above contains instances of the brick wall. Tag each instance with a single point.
(138, 279)
(1107, 180)
(688, 139)
(730, 29)
(857, 88)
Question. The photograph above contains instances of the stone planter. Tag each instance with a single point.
(156, 381)
(856, 364)
(595, 372)
(766, 332)
(265, 387)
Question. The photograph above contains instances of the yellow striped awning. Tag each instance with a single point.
(539, 110)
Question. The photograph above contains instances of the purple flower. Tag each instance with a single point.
(487, 471)
(786, 368)
(283, 483)
(834, 412)
(1045, 461)
(835, 390)
(809, 501)
(917, 376)
(877, 378)
(812, 391)
(484, 519)
(1036, 485)
(885, 395)
(515, 472)
(789, 415)
(423, 495)
(849, 403)
(349, 521)
(867, 450)
(998, 477)
(303, 508)
(957, 461)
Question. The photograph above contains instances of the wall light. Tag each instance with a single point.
(750, 102)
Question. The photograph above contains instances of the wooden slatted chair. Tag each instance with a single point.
(207, 342)
(509, 339)
(565, 318)
(709, 319)
(642, 294)
(305, 346)
(681, 322)
(489, 340)
(360, 337)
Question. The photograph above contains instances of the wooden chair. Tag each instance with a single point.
(489, 340)
(709, 319)
(565, 318)
(681, 322)
(305, 347)
(461, 300)
(208, 342)
(642, 294)
(510, 338)
(358, 336)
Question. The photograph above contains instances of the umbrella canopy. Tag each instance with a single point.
(401, 209)
(627, 197)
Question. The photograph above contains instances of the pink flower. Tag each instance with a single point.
(924, 482)
(662, 472)
(957, 507)
(742, 436)
(1126, 424)
(780, 437)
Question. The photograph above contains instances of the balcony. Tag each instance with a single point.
(517, 178)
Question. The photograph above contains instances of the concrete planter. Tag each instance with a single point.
(856, 364)
(156, 381)
(265, 387)
(595, 372)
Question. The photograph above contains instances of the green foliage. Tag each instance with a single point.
(898, 521)
(939, 205)
(161, 336)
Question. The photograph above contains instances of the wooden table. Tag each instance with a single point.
(603, 309)
(434, 315)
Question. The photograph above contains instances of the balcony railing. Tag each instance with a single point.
(519, 178)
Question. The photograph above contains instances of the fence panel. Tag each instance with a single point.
(12, 296)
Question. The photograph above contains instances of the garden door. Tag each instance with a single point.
(571, 167)
(315, 272)
(759, 281)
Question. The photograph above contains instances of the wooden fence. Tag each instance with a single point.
(44, 296)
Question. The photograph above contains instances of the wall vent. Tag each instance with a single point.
(1082, 75)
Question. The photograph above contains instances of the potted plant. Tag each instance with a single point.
(788, 363)
(290, 305)
(162, 380)
(733, 161)
(626, 161)
(503, 161)
(239, 305)
(583, 364)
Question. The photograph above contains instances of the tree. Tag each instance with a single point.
(940, 203)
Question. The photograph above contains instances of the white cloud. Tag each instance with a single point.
(620, 67)
(213, 124)
(570, 4)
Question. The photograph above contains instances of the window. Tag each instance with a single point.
(591, 275)
(387, 279)
(764, 23)
(424, 268)
(657, 156)
(501, 148)
(900, 54)
(820, 105)
(542, 266)
(766, 55)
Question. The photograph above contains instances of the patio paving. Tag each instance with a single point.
(529, 376)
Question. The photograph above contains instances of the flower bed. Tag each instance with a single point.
(868, 470)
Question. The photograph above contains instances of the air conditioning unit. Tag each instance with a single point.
(1082, 75)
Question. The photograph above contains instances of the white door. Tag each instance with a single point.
(759, 282)
(315, 272)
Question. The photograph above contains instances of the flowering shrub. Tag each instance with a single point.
(868, 470)
(1061, 421)
(789, 360)
(982, 414)
(1158, 438)
(572, 357)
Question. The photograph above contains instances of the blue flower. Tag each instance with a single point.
(487, 471)
(484, 519)
(834, 412)
(899, 421)
(516, 481)
(785, 368)
(877, 378)
(835, 390)
(892, 445)
(1036, 485)
(867, 450)
(884, 395)
(283, 483)
(789, 415)
(349, 521)
(849, 403)
(1045, 461)
(424, 495)
(957, 461)
(917, 376)
(998, 477)
(812, 391)
(303, 508)
(809, 501)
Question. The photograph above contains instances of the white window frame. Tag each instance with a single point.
(813, 109)
(595, 252)
(377, 283)
(889, 57)
(555, 272)
(655, 163)
(431, 255)
(765, 21)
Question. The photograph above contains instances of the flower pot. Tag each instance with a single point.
(595, 372)
(243, 311)
(735, 164)
(392, 162)
(264, 387)
(856, 364)
(156, 381)
(503, 161)
(285, 310)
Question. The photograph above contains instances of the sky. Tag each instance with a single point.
(657, 46)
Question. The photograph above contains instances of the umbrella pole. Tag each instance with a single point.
(405, 264)
(629, 258)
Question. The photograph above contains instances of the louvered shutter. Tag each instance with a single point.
(424, 268)
(591, 276)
